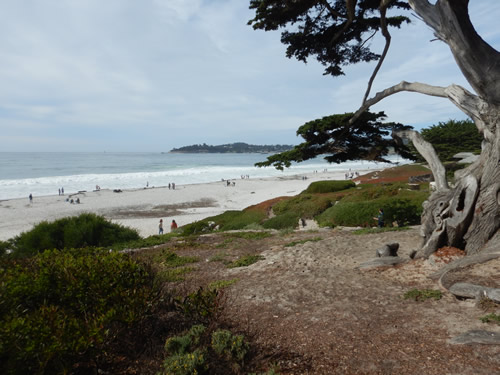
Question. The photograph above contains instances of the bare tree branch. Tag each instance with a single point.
(387, 36)
(421, 88)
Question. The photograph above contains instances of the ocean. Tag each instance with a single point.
(43, 173)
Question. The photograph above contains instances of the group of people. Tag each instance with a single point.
(173, 226)
(171, 186)
(61, 191)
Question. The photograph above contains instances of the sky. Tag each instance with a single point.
(152, 75)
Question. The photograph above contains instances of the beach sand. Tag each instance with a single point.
(143, 208)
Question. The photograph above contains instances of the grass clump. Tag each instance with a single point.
(221, 284)
(491, 318)
(249, 235)
(379, 230)
(293, 243)
(329, 186)
(85, 230)
(423, 294)
(245, 261)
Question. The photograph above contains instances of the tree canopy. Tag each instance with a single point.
(338, 139)
(334, 32)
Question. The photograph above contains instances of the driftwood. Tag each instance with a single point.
(477, 337)
(382, 262)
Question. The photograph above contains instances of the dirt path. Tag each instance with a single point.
(310, 301)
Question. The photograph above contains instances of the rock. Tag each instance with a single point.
(466, 290)
(388, 250)
(477, 337)
(382, 262)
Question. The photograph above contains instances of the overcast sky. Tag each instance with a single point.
(150, 75)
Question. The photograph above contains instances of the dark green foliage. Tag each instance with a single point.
(423, 294)
(329, 186)
(58, 307)
(452, 137)
(72, 232)
(321, 31)
(238, 147)
(366, 139)
(4, 246)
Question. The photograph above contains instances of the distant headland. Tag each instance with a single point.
(238, 147)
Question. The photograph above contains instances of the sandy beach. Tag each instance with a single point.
(143, 208)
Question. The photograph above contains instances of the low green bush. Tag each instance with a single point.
(283, 221)
(231, 346)
(303, 205)
(345, 213)
(72, 232)
(202, 306)
(329, 186)
(61, 307)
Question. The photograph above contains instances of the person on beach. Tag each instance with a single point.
(160, 227)
(380, 218)
(31, 198)
(173, 226)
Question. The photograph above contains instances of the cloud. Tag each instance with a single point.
(129, 75)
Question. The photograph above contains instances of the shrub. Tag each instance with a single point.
(72, 232)
(286, 220)
(229, 220)
(60, 307)
(303, 205)
(403, 211)
(233, 347)
(202, 306)
(329, 186)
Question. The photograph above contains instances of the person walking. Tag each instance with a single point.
(380, 218)
(173, 226)
(31, 198)
(160, 227)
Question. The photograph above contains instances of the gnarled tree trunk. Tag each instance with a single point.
(467, 215)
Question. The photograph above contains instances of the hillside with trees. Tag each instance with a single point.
(237, 148)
